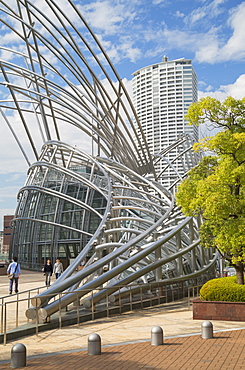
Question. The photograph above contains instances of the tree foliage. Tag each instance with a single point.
(216, 187)
(229, 114)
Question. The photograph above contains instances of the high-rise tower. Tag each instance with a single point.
(162, 93)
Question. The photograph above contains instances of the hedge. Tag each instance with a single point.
(223, 289)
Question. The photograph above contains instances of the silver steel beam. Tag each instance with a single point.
(105, 204)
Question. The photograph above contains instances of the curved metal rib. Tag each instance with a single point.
(92, 190)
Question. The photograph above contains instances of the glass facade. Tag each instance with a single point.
(57, 213)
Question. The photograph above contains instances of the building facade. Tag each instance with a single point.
(162, 94)
(6, 233)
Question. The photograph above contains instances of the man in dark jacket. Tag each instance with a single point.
(48, 270)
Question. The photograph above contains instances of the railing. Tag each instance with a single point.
(193, 289)
(14, 305)
(136, 298)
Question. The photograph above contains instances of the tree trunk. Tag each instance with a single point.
(240, 272)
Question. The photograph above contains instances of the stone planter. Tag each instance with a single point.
(223, 311)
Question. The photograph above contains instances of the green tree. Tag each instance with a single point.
(216, 187)
(229, 114)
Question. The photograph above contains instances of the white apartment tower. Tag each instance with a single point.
(162, 93)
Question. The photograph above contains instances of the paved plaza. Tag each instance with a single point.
(126, 340)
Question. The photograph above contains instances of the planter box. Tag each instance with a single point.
(223, 311)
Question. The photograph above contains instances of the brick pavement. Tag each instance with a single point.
(225, 351)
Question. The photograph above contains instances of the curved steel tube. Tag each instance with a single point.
(105, 203)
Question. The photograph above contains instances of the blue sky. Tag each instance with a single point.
(136, 33)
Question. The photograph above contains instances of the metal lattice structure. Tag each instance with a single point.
(106, 203)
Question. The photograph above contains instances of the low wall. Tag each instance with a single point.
(224, 311)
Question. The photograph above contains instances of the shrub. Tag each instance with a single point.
(223, 289)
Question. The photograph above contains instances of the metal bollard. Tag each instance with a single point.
(18, 356)
(156, 336)
(94, 344)
(207, 330)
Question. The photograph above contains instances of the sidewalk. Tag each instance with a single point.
(181, 349)
(225, 351)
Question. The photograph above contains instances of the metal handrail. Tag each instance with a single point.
(193, 291)
(25, 291)
(17, 302)
(169, 292)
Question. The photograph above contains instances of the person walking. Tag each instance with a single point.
(48, 270)
(58, 268)
(82, 264)
(14, 269)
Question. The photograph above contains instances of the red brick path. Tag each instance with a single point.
(225, 351)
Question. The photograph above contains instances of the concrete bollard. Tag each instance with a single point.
(18, 356)
(156, 336)
(207, 330)
(94, 344)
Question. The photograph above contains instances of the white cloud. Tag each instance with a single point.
(124, 49)
(128, 50)
(209, 39)
(11, 157)
(196, 16)
(8, 193)
(157, 2)
(234, 48)
(179, 14)
(236, 90)
(6, 55)
(9, 38)
(209, 88)
(218, 94)
(14, 177)
(108, 16)
(175, 39)
(205, 12)
(131, 31)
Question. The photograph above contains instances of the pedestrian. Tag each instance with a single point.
(14, 269)
(82, 264)
(58, 268)
(48, 270)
